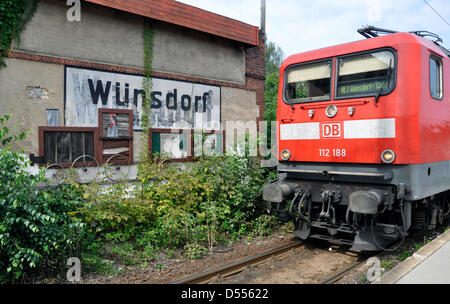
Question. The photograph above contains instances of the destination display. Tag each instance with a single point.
(360, 88)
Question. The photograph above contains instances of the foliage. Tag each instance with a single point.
(195, 251)
(5, 138)
(176, 206)
(263, 225)
(35, 225)
(271, 97)
(274, 56)
(14, 15)
(405, 254)
(387, 264)
(148, 38)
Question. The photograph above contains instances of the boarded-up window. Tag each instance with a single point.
(115, 125)
(64, 147)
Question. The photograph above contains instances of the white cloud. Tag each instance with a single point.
(302, 25)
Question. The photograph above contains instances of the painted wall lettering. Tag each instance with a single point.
(174, 104)
(74, 13)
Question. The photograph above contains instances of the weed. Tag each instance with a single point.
(387, 265)
(195, 251)
(405, 254)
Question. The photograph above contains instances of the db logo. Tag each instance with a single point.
(330, 130)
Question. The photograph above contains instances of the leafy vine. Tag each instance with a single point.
(147, 83)
(14, 16)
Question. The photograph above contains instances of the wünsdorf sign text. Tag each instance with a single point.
(174, 104)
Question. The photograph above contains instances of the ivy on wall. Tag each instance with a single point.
(148, 35)
(14, 16)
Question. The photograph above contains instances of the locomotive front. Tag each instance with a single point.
(349, 142)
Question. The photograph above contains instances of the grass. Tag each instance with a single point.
(363, 279)
(404, 255)
(160, 266)
(387, 264)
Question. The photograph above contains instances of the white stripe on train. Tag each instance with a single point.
(352, 129)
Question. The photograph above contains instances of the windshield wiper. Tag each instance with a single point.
(289, 100)
(387, 78)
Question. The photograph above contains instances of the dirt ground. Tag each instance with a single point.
(165, 270)
(312, 263)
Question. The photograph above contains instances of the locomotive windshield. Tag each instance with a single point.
(309, 82)
(365, 74)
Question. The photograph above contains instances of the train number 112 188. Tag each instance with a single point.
(332, 152)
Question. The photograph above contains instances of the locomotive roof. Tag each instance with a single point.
(391, 40)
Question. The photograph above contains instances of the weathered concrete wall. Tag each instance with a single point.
(108, 36)
(137, 145)
(238, 105)
(16, 90)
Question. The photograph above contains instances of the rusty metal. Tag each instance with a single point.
(218, 274)
(341, 274)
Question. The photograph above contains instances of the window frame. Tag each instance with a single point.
(115, 142)
(191, 132)
(43, 129)
(296, 65)
(336, 74)
(441, 78)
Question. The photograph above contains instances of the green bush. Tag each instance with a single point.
(35, 225)
(176, 204)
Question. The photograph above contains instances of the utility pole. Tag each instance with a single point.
(263, 16)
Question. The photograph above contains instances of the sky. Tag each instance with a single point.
(303, 25)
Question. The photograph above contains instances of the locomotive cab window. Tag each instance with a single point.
(309, 82)
(365, 74)
(436, 77)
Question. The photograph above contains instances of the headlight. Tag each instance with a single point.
(285, 154)
(388, 156)
(331, 111)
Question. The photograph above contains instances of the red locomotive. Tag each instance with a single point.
(364, 139)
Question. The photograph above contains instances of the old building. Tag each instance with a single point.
(78, 86)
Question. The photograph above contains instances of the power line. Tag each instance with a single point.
(437, 12)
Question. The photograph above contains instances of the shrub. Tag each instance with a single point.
(179, 204)
(35, 225)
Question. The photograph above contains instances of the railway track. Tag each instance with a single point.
(218, 275)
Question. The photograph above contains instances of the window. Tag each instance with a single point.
(436, 77)
(365, 74)
(52, 117)
(116, 136)
(309, 82)
(63, 146)
(186, 145)
(171, 145)
(115, 125)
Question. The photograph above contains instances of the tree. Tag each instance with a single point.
(273, 59)
(271, 97)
